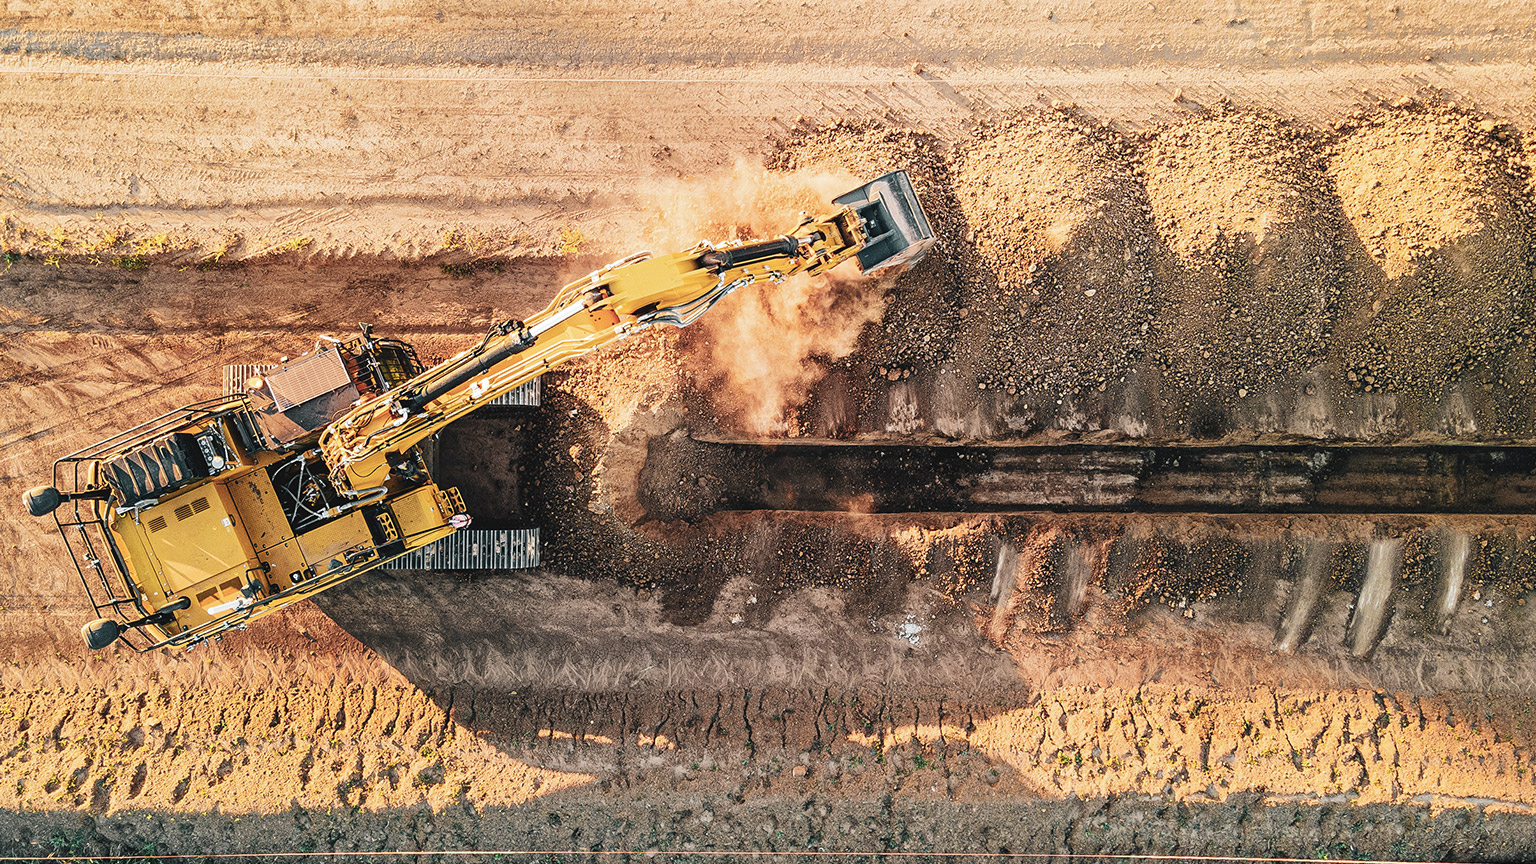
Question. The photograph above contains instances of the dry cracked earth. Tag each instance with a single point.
(793, 596)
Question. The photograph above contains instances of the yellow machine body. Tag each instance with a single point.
(226, 549)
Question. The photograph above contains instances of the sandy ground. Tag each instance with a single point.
(188, 185)
(765, 769)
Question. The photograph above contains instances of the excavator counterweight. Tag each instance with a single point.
(199, 521)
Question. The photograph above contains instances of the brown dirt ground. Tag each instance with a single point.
(747, 762)
(190, 185)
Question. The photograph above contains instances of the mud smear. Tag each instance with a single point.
(1456, 553)
(1372, 605)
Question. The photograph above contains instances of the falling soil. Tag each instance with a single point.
(1241, 200)
(760, 361)
(1437, 198)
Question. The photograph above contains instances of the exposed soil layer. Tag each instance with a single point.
(109, 771)
(686, 479)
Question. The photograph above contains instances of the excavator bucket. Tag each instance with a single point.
(894, 220)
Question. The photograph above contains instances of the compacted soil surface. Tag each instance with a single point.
(1192, 223)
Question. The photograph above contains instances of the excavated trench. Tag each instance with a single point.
(686, 478)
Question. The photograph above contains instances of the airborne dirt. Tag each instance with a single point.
(1184, 225)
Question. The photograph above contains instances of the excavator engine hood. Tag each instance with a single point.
(897, 229)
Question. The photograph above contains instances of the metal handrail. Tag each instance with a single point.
(83, 554)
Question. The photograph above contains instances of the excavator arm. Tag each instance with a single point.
(880, 223)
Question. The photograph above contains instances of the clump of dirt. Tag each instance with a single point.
(1347, 563)
(1216, 568)
(1242, 202)
(1155, 564)
(865, 152)
(1040, 577)
(1421, 558)
(1061, 229)
(953, 559)
(1507, 561)
(1436, 196)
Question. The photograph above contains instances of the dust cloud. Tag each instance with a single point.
(761, 349)
(746, 202)
(773, 342)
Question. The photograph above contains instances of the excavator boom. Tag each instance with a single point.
(881, 223)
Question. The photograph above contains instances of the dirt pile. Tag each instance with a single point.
(1437, 198)
(1242, 203)
(1061, 229)
(1241, 250)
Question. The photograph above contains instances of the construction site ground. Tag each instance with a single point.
(1160, 223)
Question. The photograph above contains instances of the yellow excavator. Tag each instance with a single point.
(195, 523)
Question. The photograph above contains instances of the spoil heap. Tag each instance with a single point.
(1436, 198)
(1242, 204)
(1064, 289)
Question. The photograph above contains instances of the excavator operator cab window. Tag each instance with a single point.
(395, 363)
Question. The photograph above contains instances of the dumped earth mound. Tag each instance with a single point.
(1436, 197)
(1061, 228)
(1241, 201)
(1240, 252)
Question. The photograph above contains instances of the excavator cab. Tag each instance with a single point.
(894, 221)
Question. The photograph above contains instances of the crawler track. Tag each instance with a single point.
(687, 478)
